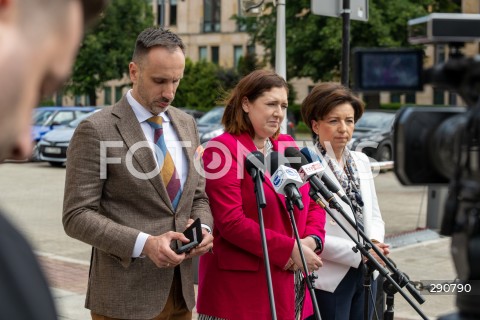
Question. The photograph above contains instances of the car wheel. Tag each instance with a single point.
(56, 164)
(384, 153)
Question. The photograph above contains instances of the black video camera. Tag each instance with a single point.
(438, 145)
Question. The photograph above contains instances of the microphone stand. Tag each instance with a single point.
(367, 287)
(258, 178)
(364, 250)
(309, 278)
(390, 291)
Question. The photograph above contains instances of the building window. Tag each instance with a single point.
(107, 100)
(440, 56)
(241, 26)
(59, 98)
(202, 53)
(237, 54)
(215, 53)
(77, 100)
(411, 98)
(251, 49)
(173, 12)
(118, 93)
(161, 13)
(211, 18)
(395, 97)
(438, 96)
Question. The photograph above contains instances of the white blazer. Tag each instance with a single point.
(337, 255)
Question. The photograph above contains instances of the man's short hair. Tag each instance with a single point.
(156, 37)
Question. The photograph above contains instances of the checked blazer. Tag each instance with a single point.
(108, 201)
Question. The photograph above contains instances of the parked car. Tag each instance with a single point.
(46, 119)
(373, 135)
(210, 124)
(53, 145)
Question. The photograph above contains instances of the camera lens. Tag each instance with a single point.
(445, 143)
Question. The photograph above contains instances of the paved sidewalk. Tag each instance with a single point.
(428, 260)
(66, 260)
(403, 209)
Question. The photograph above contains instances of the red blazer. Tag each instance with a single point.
(232, 279)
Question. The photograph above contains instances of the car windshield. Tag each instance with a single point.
(213, 116)
(375, 120)
(41, 116)
(76, 122)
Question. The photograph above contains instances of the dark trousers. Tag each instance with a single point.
(347, 301)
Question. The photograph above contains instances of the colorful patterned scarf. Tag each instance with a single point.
(347, 176)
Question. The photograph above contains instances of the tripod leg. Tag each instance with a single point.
(388, 314)
(379, 297)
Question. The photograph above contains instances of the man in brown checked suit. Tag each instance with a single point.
(116, 199)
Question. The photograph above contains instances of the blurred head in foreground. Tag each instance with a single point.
(40, 39)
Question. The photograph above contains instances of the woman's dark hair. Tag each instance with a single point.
(326, 96)
(251, 87)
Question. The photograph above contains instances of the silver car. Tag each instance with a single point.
(53, 145)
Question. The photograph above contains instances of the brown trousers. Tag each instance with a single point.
(175, 308)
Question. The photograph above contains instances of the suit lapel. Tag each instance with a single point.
(131, 132)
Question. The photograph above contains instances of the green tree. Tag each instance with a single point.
(205, 85)
(107, 49)
(200, 86)
(314, 43)
(249, 63)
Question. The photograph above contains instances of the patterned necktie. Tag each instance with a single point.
(169, 174)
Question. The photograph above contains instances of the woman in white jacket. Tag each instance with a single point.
(331, 111)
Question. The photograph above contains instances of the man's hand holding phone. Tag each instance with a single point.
(204, 239)
(194, 234)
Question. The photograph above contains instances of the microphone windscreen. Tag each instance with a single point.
(256, 161)
(275, 160)
(309, 154)
(297, 159)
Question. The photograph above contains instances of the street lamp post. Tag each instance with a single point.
(254, 8)
(280, 51)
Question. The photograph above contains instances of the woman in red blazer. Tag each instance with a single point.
(232, 278)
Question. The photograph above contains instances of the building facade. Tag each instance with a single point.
(210, 32)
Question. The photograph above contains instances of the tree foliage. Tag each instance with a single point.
(203, 85)
(107, 48)
(314, 42)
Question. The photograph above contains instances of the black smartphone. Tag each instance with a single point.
(194, 234)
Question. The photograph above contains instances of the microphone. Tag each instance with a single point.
(310, 155)
(255, 166)
(285, 180)
(308, 172)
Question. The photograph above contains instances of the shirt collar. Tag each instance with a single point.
(141, 113)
